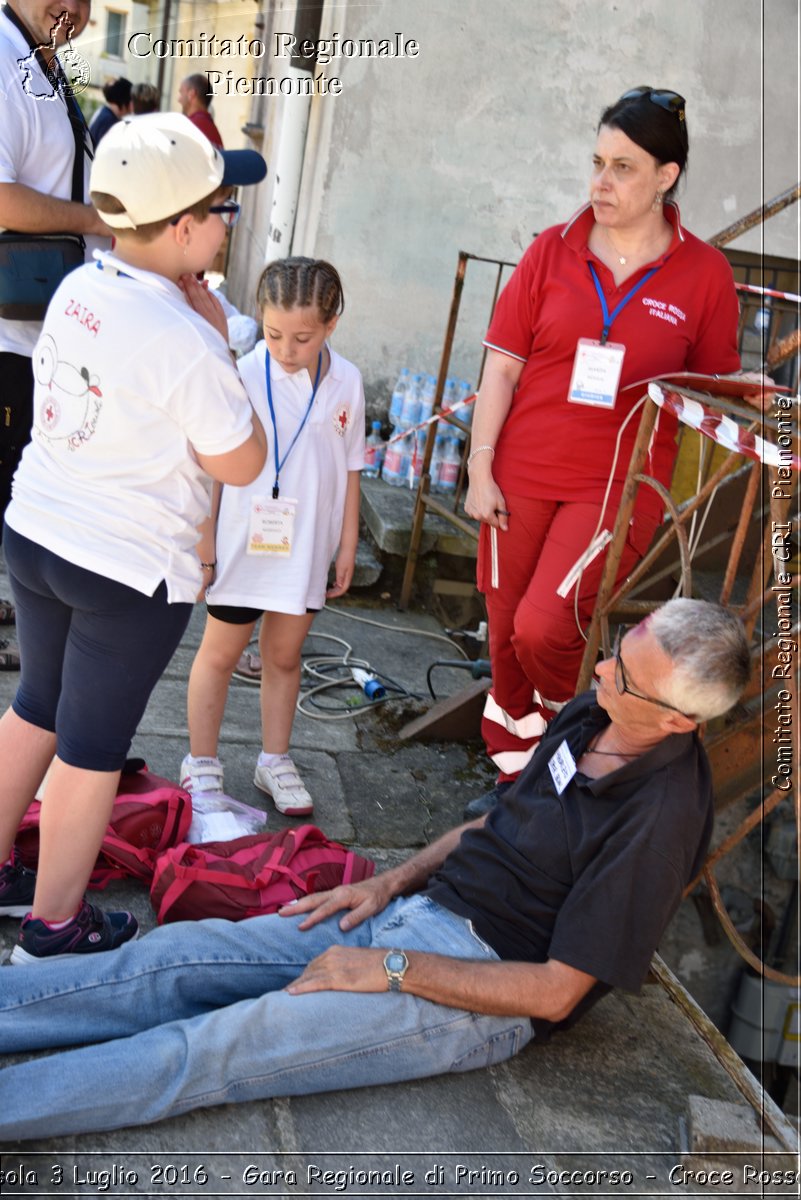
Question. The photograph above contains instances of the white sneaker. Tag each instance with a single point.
(282, 782)
(202, 775)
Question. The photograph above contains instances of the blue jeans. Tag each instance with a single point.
(193, 1015)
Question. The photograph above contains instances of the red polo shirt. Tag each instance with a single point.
(683, 318)
(207, 127)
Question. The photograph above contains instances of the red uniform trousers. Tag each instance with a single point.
(535, 645)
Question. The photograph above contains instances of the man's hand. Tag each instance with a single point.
(343, 969)
(363, 900)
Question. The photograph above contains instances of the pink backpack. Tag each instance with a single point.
(251, 875)
(150, 814)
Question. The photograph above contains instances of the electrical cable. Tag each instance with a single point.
(425, 633)
(320, 666)
(609, 481)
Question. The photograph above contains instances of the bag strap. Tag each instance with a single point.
(55, 75)
(171, 894)
(121, 852)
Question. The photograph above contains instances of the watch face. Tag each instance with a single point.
(395, 961)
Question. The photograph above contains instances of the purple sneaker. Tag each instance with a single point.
(90, 931)
(17, 885)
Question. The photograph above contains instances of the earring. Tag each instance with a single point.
(657, 204)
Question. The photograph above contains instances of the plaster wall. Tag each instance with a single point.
(486, 136)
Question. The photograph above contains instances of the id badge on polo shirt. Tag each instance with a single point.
(272, 525)
(562, 766)
(596, 373)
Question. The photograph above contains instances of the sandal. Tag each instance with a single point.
(248, 669)
(9, 659)
(8, 613)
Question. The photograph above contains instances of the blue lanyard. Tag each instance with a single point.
(280, 462)
(609, 318)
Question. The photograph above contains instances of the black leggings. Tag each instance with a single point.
(91, 650)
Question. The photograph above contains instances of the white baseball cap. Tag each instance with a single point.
(159, 164)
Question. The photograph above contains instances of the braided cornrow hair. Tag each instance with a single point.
(299, 283)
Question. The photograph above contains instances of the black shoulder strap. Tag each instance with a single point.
(54, 74)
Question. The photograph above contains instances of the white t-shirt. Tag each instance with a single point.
(37, 148)
(315, 474)
(129, 381)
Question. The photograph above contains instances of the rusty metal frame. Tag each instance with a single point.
(424, 500)
(612, 600)
(767, 1109)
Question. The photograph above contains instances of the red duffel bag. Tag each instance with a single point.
(251, 875)
(150, 814)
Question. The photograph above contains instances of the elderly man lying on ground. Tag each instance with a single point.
(517, 922)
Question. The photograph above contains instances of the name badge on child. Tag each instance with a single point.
(272, 524)
(596, 373)
(562, 766)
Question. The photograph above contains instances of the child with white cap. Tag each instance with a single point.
(137, 405)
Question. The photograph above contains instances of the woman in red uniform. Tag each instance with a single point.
(619, 294)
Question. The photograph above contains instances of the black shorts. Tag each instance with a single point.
(230, 614)
(91, 650)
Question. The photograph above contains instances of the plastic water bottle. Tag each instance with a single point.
(427, 393)
(408, 446)
(410, 413)
(398, 394)
(449, 467)
(418, 452)
(436, 461)
(449, 398)
(392, 470)
(373, 452)
(466, 390)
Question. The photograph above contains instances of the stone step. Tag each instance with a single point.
(388, 513)
(368, 567)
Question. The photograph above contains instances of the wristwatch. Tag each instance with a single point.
(396, 964)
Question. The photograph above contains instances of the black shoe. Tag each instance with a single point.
(90, 931)
(17, 885)
(482, 804)
(9, 656)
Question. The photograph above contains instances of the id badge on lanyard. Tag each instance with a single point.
(271, 527)
(598, 365)
(597, 368)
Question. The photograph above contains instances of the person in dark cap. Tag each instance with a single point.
(117, 95)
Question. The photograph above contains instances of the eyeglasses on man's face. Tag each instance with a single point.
(622, 683)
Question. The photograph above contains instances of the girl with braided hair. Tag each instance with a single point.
(275, 539)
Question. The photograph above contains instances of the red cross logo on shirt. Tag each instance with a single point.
(342, 420)
(50, 412)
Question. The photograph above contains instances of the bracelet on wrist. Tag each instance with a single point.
(479, 450)
(208, 566)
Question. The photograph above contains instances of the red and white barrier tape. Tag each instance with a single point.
(722, 429)
(762, 291)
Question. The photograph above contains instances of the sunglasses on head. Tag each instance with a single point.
(670, 101)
